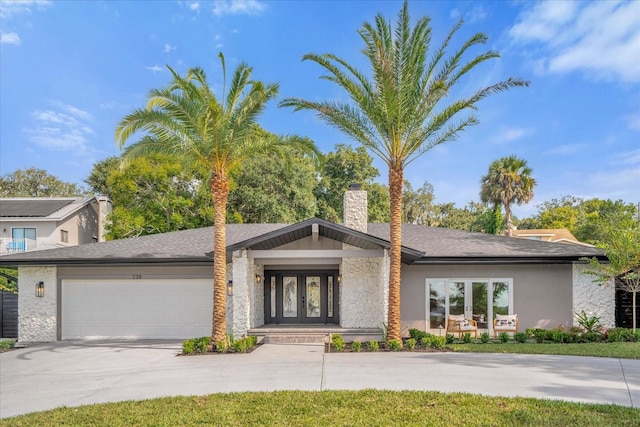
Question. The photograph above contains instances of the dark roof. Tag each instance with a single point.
(32, 208)
(420, 245)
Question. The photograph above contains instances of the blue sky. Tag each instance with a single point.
(70, 70)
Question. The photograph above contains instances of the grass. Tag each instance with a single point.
(6, 344)
(620, 350)
(336, 408)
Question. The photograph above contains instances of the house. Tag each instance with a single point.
(313, 273)
(29, 224)
(559, 235)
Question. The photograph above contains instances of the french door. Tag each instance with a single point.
(477, 299)
(301, 297)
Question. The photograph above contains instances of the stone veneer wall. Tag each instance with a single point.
(257, 298)
(362, 289)
(594, 299)
(37, 317)
(355, 210)
(243, 293)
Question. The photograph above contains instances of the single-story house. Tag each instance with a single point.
(313, 272)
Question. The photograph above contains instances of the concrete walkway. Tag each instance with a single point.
(71, 374)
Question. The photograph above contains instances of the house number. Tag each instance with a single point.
(136, 276)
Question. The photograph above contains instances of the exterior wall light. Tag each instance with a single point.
(339, 278)
(230, 288)
(40, 289)
(258, 278)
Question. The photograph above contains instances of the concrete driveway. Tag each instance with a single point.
(78, 373)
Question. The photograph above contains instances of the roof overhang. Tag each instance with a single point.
(506, 260)
(315, 227)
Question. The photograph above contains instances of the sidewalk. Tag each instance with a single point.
(72, 374)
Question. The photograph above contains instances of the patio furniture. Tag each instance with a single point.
(457, 324)
(505, 323)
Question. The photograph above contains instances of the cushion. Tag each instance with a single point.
(457, 317)
(506, 320)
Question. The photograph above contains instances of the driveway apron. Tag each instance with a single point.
(51, 375)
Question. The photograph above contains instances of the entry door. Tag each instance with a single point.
(308, 297)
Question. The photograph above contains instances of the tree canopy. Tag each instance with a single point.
(33, 182)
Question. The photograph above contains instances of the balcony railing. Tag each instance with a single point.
(12, 246)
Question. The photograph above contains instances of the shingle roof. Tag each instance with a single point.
(189, 246)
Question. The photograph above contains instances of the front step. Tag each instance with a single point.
(307, 335)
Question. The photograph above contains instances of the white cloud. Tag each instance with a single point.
(601, 39)
(476, 14)
(65, 128)
(511, 134)
(9, 38)
(168, 48)
(155, 69)
(633, 121)
(195, 6)
(566, 149)
(9, 8)
(238, 7)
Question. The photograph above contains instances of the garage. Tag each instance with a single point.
(141, 309)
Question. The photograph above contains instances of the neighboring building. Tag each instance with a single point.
(312, 273)
(29, 224)
(557, 235)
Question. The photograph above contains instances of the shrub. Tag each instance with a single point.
(252, 340)
(592, 337)
(417, 334)
(521, 337)
(373, 345)
(466, 338)
(188, 346)
(622, 335)
(221, 346)
(484, 337)
(504, 337)
(540, 335)
(438, 342)
(588, 323)
(240, 346)
(6, 344)
(411, 344)
(356, 346)
(338, 342)
(196, 345)
(450, 338)
(395, 345)
(426, 341)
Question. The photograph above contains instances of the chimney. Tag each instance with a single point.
(355, 208)
(104, 210)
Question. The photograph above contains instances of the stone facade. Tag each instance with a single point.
(362, 293)
(355, 210)
(37, 315)
(594, 299)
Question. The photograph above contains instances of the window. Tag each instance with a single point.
(477, 299)
(64, 236)
(22, 239)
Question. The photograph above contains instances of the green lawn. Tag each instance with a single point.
(623, 350)
(336, 408)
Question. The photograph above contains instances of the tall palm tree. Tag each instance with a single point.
(185, 119)
(398, 112)
(508, 181)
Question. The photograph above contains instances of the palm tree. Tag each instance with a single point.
(186, 120)
(397, 114)
(508, 181)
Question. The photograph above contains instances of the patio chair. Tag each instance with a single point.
(505, 323)
(457, 324)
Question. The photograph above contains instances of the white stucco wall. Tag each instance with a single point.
(37, 316)
(362, 293)
(256, 297)
(594, 299)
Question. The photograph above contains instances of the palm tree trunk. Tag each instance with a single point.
(507, 214)
(395, 238)
(219, 194)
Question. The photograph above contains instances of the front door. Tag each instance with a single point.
(301, 297)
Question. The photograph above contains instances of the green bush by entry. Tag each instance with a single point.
(338, 342)
(196, 345)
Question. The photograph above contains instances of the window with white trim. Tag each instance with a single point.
(64, 236)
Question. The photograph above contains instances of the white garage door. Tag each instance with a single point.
(145, 308)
